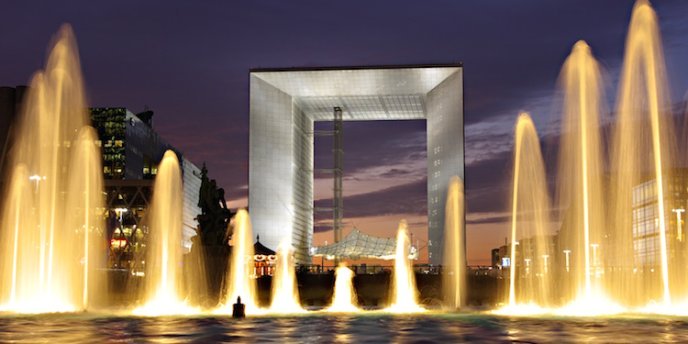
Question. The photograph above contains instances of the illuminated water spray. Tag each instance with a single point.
(344, 297)
(285, 291)
(454, 268)
(86, 206)
(164, 247)
(580, 179)
(240, 267)
(529, 220)
(404, 295)
(50, 221)
(642, 99)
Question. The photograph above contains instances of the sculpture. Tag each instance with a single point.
(214, 220)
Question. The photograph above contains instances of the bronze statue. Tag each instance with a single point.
(214, 218)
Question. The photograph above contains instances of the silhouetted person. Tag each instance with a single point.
(239, 309)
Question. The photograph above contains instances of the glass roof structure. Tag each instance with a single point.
(358, 245)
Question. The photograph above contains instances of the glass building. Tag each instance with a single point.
(646, 245)
(284, 104)
(131, 152)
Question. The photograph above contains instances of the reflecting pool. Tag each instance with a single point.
(359, 328)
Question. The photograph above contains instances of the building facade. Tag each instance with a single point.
(131, 152)
(646, 242)
(284, 104)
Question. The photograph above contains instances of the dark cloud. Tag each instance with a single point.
(403, 199)
(372, 143)
(489, 220)
(319, 228)
(395, 172)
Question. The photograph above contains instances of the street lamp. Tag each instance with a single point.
(568, 262)
(679, 234)
(595, 267)
(120, 212)
(594, 254)
(36, 179)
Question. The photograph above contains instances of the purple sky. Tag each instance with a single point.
(189, 62)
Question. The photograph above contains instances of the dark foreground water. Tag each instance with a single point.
(367, 328)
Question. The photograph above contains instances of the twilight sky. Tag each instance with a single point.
(188, 61)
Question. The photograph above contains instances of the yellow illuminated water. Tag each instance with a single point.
(602, 268)
(52, 221)
(344, 297)
(285, 291)
(454, 268)
(163, 283)
(240, 267)
(643, 136)
(404, 295)
(530, 275)
(580, 186)
(86, 206)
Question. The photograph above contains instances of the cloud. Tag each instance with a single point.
(402, 199)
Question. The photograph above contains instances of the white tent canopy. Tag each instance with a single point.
(357, 245)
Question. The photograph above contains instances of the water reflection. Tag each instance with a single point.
(342, 332)
(448, 328)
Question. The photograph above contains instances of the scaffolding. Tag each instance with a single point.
(338, 197)
(337, 171)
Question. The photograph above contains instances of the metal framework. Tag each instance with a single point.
(358, 245)
(338, 198)
(126, 202)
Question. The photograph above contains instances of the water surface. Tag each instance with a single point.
(318, 328)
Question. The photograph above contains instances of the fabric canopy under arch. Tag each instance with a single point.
(358, 245)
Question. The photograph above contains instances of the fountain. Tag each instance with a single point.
(344, 297)
(607, 242)
(163, 283)
(86, 206)
(285, 291)
(642, 97)
(51, 222)
(240, 283)
(530, 240)
(580, 185)
(404, 296)
(454, 269)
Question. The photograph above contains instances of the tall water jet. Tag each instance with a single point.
(240, 268)
(44, 272)
(642, 98)
(285, 291)
(454, 269)
(164, 280)
(530, 248)
(580, 179)
(344, 298)
(404, 294)
(85, 201)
